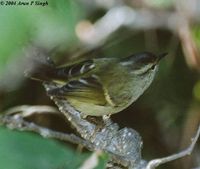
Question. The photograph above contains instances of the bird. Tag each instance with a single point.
(99, 86)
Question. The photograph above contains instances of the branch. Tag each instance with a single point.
(124, 145)
(118, 16)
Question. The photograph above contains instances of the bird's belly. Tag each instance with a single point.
(123, 99)
(91, 109)
(128, 95)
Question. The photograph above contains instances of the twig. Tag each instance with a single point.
(18, 122)
(156, 162)
(27, 110)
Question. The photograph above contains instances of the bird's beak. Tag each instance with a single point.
(160, 56)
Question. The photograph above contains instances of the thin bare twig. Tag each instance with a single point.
(156, 162)
(14, 119)
(28, 110)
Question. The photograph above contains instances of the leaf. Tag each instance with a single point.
(103, 159)
(23, 150)
(49, 26)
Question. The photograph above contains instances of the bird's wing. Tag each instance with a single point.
(67, 73)
(87, 89)
(60, 75)
(83, 84)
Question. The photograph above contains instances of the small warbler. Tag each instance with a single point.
(100, 86)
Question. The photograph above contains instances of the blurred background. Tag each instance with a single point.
(166, 115)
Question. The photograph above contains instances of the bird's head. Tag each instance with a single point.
(142, 63)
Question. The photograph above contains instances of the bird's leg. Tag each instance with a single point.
(106, 119)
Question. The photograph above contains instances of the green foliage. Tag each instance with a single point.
(47, 26)
(22, 150)
(196, 35)
(103, 159)
(196, 91)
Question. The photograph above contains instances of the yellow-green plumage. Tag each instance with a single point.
(103, 86)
